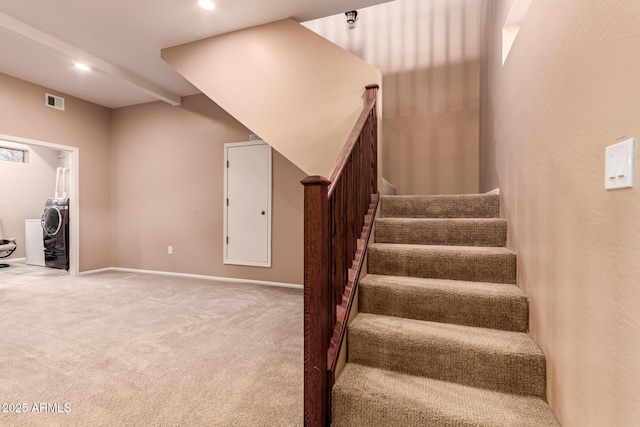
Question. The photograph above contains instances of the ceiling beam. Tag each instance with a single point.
(96, 64)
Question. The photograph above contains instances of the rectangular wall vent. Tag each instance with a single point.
(54, 101)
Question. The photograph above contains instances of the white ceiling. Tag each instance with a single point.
(40, 40)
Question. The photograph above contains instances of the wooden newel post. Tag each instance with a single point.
(372, 91)
(316, 300)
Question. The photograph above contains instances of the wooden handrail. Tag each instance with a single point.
(338, 168)
(338, 217)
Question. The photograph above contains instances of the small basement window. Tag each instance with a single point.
(13, 155)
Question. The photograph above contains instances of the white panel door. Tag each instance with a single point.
(247, 204)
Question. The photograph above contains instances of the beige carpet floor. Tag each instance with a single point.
(122, 349)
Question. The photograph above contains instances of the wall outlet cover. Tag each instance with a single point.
(618, 169)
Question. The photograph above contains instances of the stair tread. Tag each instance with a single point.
(476, 263)
(369, 396)
(445, 231)
(482, 304)
(422, 331)
(489, 358)
(487, 250)
(418, 220)
(446, 285)
(441, 206)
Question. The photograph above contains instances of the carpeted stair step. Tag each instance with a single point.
(365, 396)
(508, 362)
(481, 264)
(442, 231)
(441, 206)
(485, 305)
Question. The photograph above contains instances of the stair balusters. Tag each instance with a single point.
(338, 213)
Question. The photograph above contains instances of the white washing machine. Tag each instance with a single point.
(33, 242)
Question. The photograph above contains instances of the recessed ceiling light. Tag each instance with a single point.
(82, 67)
(206, 4)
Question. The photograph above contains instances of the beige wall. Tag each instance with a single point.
(428, 52)
(84, 125)
(167, 189)
(299, 93)
(131, 161)
(569, 88)
(430, 129)
(24, 189)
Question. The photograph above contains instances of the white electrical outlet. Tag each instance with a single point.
(170, 250)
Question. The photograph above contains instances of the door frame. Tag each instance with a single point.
(225, 195)
(74, 194)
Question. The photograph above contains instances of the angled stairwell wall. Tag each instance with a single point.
(299, 92)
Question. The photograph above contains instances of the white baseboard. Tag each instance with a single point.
(195, 276)
(12, 260)
(99, 270)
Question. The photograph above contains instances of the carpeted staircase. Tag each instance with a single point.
(441, 335)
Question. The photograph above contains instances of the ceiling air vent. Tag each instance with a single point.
(54, 101)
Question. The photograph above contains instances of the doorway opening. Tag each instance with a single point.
(67, 157)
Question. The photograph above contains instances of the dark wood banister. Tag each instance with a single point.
(338, 168)
(338, 215)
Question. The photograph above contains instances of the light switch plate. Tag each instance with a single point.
(618, 168)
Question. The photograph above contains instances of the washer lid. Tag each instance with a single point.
(51, 221)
